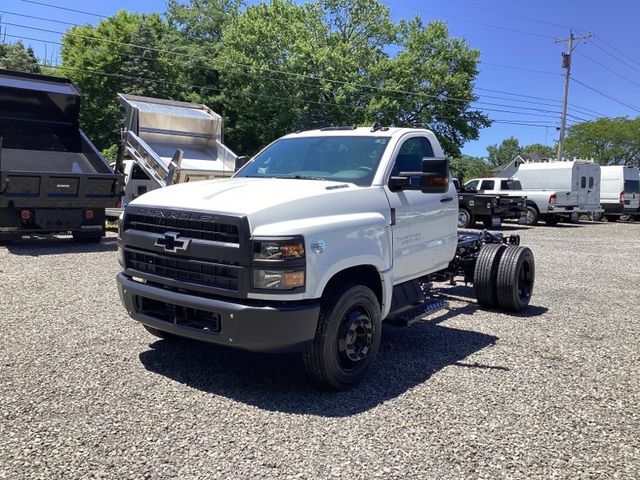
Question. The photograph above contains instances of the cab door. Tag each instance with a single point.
(424, 225)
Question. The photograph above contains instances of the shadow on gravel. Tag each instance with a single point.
(45, 245)
(408, 357)
(464, 293)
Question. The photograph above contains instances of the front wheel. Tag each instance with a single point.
(465, 218)
(347, 338)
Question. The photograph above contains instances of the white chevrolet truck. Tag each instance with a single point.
(309, 247)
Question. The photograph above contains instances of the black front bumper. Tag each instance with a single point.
(282, 327)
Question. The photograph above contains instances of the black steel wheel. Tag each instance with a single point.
(515, 278)
(485, 274)
(531, 217)
(347, 338)
(465, 218)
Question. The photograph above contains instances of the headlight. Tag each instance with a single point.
(120, 224)
(285, 249)
(278, 279)
(121, 259)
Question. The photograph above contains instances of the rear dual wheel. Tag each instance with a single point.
(504, 277)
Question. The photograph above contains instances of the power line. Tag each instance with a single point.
(282, 72)
(616, 57)
(617, 49)
(606, 95)
(476, 22)
(609, 69)
(511, 14)
(43, 4)
(526, 69)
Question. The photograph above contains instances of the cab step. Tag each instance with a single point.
(412, 314)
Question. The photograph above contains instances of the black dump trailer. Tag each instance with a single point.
(52, 178)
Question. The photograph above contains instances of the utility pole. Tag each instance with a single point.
(566, 64)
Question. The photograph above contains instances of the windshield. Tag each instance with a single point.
(338, 158)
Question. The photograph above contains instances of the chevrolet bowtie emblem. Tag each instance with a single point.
(171, 243)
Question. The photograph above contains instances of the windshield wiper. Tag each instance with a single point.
(300, 177)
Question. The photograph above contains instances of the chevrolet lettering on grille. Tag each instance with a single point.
(170, 242)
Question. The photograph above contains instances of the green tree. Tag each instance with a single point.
(103, 60)
(429, 83)
(607, 140)
(544, 150)
(505, 152)
(337, 71)
(195, 28)
(466, 167)
(15, 56)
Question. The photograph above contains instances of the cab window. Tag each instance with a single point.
(410, 156)
(472, 185)
(138, 174)
(583, 182)
(488, 185)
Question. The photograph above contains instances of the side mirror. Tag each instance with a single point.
(435, 175)
(241, 161)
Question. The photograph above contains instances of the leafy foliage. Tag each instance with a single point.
(504, 152)
(104, 60)
(15, 56)
(466, 167)
(607, 140)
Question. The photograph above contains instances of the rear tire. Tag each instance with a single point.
(485, 274)
(625, 217)
(515, 279)
(347, 338)
(531, 217)
(465, 218)
(552, 220)
(488, 224)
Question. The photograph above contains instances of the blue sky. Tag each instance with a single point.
(515, 38)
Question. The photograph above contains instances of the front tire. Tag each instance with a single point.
(347, 338)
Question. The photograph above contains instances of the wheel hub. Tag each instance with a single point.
(356, 337)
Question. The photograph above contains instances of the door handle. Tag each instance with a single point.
(446, 199)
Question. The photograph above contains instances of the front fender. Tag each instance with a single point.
(350, 240)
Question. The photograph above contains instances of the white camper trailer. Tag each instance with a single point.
(620, 192)
(579, 177)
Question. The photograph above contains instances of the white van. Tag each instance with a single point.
(620, 191)
(581, 177)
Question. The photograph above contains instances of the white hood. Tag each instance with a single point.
(267, 200)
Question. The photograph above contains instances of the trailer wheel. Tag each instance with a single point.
(347, 338)
(515, 279)
(552, 220)
(465, 218)
(485, 274)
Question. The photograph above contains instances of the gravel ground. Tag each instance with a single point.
(87, 393)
